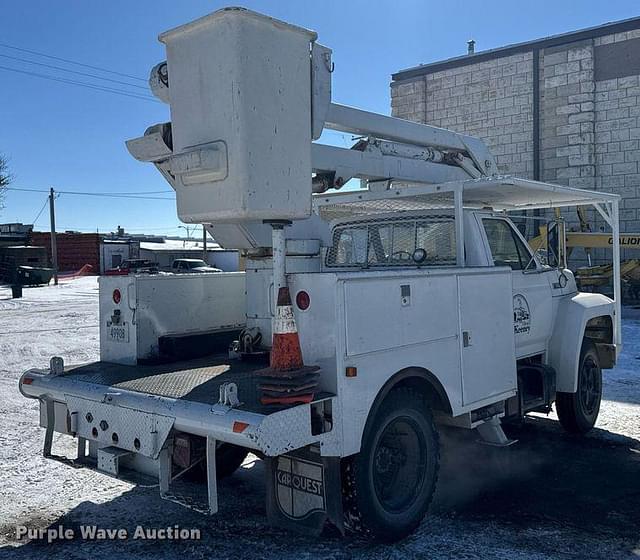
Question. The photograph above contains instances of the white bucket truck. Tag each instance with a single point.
(416, 296)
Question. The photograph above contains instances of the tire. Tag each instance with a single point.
(578, 411)
(388, 486)
(229, 458)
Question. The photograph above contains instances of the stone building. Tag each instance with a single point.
(564, 109)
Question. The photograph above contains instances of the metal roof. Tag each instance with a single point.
(546, 42)
(501, 193)
(177, 245)
(512, 193)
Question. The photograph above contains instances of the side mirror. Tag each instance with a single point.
(556, 244)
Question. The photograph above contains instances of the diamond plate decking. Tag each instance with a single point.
(193, 380)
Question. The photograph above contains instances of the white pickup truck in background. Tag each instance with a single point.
(191, 266)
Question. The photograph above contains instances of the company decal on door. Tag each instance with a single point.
(521, 315)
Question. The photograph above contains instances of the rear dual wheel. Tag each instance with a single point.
(389, 485)
(229, 459)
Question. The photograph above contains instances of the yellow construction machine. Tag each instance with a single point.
(590, 278)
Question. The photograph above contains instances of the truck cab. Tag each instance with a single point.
(491, 240)
(544, 295)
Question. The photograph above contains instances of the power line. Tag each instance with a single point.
(68, 61)
(82, 84)
(74, 71)
(93, 229)
(100, 194)
(43, 189)
(46, 201)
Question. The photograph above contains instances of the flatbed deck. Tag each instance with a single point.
(196, 380)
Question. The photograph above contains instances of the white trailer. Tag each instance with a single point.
(416, 295)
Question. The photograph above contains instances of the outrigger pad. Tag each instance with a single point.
(277, 391)
(304, 492)
(290, 387)
(294, 382)
(305, 398)
(297, 373)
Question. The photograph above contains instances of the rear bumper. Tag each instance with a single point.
(141, 423)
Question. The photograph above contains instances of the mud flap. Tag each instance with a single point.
(304, 492)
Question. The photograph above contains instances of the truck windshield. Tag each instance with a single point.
(196, 264)
(392, 242)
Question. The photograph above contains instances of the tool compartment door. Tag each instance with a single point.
(486, 335)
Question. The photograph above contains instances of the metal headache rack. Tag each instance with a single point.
(393, 241)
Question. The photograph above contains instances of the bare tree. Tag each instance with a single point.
(5, 178)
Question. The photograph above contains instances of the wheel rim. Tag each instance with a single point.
(399, 465)
(589, 386)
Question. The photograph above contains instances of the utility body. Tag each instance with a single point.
(415, 295)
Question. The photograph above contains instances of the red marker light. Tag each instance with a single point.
(303, 300)
(117, 296)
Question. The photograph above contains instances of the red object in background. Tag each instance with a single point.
(117, 296)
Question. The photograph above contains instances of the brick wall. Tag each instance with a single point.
(74, 249)
(617, 136)
(492, 100)
(567, 115)
(589, 112)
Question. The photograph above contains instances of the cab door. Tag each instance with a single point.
(532, 298)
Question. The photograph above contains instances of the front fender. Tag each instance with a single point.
(568, 332)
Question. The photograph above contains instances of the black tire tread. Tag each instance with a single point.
(567, 407)
(354, 520)
(229, 458)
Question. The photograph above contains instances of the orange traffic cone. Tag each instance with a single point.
(287, 380)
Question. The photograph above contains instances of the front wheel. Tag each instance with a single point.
(578, 411)
(389, 485)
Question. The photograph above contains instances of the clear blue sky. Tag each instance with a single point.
(73, 138)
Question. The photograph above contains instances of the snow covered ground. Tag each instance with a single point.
(549, 496)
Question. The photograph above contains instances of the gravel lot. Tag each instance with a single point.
(549, 496)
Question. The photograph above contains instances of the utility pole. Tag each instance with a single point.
(204, 244)
(54, 248)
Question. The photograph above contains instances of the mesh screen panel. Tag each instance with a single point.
(361, 208)
(383, 242)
